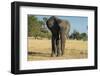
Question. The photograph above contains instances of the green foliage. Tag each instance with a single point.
(84, 36)
(78, 36)
(35, 28)
(33, 25)
(45, 19)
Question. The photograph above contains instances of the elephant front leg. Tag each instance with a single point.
(53, 46)
(58, 44)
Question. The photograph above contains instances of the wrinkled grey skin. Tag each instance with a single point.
(60, 30)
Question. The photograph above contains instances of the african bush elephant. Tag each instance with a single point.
(60, 30)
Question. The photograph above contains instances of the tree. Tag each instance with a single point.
(41, 22)
(35, 28)
(75, 35)
(45, 19)
(34, 25)
(78, 36)
(84, 36)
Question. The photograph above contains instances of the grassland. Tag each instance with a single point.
(41, 50)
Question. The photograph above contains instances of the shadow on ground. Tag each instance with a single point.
(43, 54)
(39, 54)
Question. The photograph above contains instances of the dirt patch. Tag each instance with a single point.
(41, 50)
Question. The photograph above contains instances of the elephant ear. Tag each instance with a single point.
(58, 20)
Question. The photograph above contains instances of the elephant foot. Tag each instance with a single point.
(52, 55)
(57, 55)
(62, 54)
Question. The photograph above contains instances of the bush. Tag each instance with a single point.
(78, 36)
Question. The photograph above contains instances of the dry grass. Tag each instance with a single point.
(41, 50)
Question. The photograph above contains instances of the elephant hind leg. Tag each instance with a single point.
(63, 39)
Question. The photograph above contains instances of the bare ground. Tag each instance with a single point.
(41, 50)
